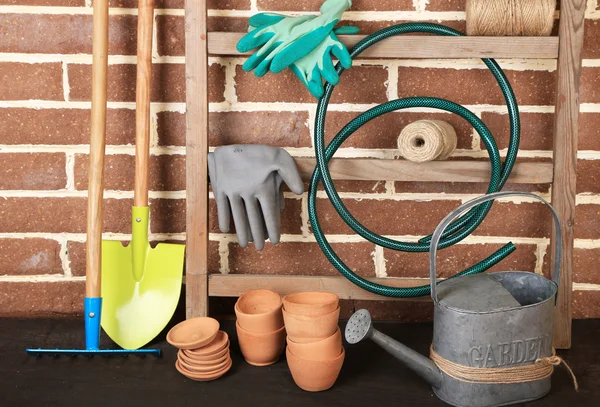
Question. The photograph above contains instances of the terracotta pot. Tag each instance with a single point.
(202, 377)
(304, 329)
(311, 304)
(220, 342)
(203, 358)
(324, 349)
(212, 362)
(314, 375)
(204, 369)
(193, 333)
(259, 311)
(261, 349)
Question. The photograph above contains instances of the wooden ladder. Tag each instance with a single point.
(561, 173)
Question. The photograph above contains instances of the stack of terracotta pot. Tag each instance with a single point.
(259, 327)
(203, 349)
(314, 354)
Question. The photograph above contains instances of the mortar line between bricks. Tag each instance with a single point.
(65, 258)
(65, 79)
(392, 85)
(223, 256)
(428, 197)
(285, 238)
(586, 287)
(254, 5)
(348, 15)
(540, 253)
(295, 152)
(274, 106)
(69, 171)
(420, 5)
(380, 263)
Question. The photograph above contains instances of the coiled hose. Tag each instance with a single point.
(459, 229)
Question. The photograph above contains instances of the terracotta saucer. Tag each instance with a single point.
(204, 369)
(206, 358)
(193, 333)
(217, 345)
(189, 361)
(202, 377)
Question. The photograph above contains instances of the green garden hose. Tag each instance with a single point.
(459, 229)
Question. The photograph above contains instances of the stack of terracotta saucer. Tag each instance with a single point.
(203, 349)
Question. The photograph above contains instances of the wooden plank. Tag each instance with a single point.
(411, 46)
(370, 169)
(572, 14)
(196, 71)
(234, 285)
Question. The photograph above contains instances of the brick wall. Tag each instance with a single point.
(45, 68)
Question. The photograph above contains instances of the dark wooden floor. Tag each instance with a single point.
(370, 377)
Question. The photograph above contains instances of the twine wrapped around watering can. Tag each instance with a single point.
(510, 17)
(541, 369)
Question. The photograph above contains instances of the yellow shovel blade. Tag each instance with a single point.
(138, 302)
(135, 312)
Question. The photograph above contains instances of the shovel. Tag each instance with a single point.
(141, 285)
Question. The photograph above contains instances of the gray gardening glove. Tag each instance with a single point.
(246, 181)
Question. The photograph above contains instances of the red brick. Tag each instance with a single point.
(590, 85)
(383, 131)
(589, 131)
(457, 258)
(291, 218)
(398, 311)
(386, 217)
(361, 84)
(23, 257)
(591, 38)
(20, 81)
(357, 5)
(33, 171)
(587, 221)
(586, 304)
(537, 130)
(66, 3)
(41, 299)
(476, 86)
(369, 27)
(446, 5)
(525, 219)
(58, 215)
(168, 82)
(585, 265)
(62, 126)
(63, 34)
(170, 35)
(363, 187)
(463, 187)
(76, 252)
(212, 4)
(279, 129)
(588, 176)
(295, 258)
(227, 24)
(167, 172)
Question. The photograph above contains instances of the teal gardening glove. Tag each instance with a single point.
(317, 65)
(283, 40)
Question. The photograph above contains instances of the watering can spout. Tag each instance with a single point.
(360, 327)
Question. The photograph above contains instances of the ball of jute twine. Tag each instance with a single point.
(542, 368)
(427, 140)
(510, 17)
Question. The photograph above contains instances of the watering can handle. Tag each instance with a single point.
(437, 234)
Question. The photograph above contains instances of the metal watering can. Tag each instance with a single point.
(489, 321)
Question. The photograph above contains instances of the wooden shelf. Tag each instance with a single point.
(374, 169)
(415, 46)
(234, 285)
